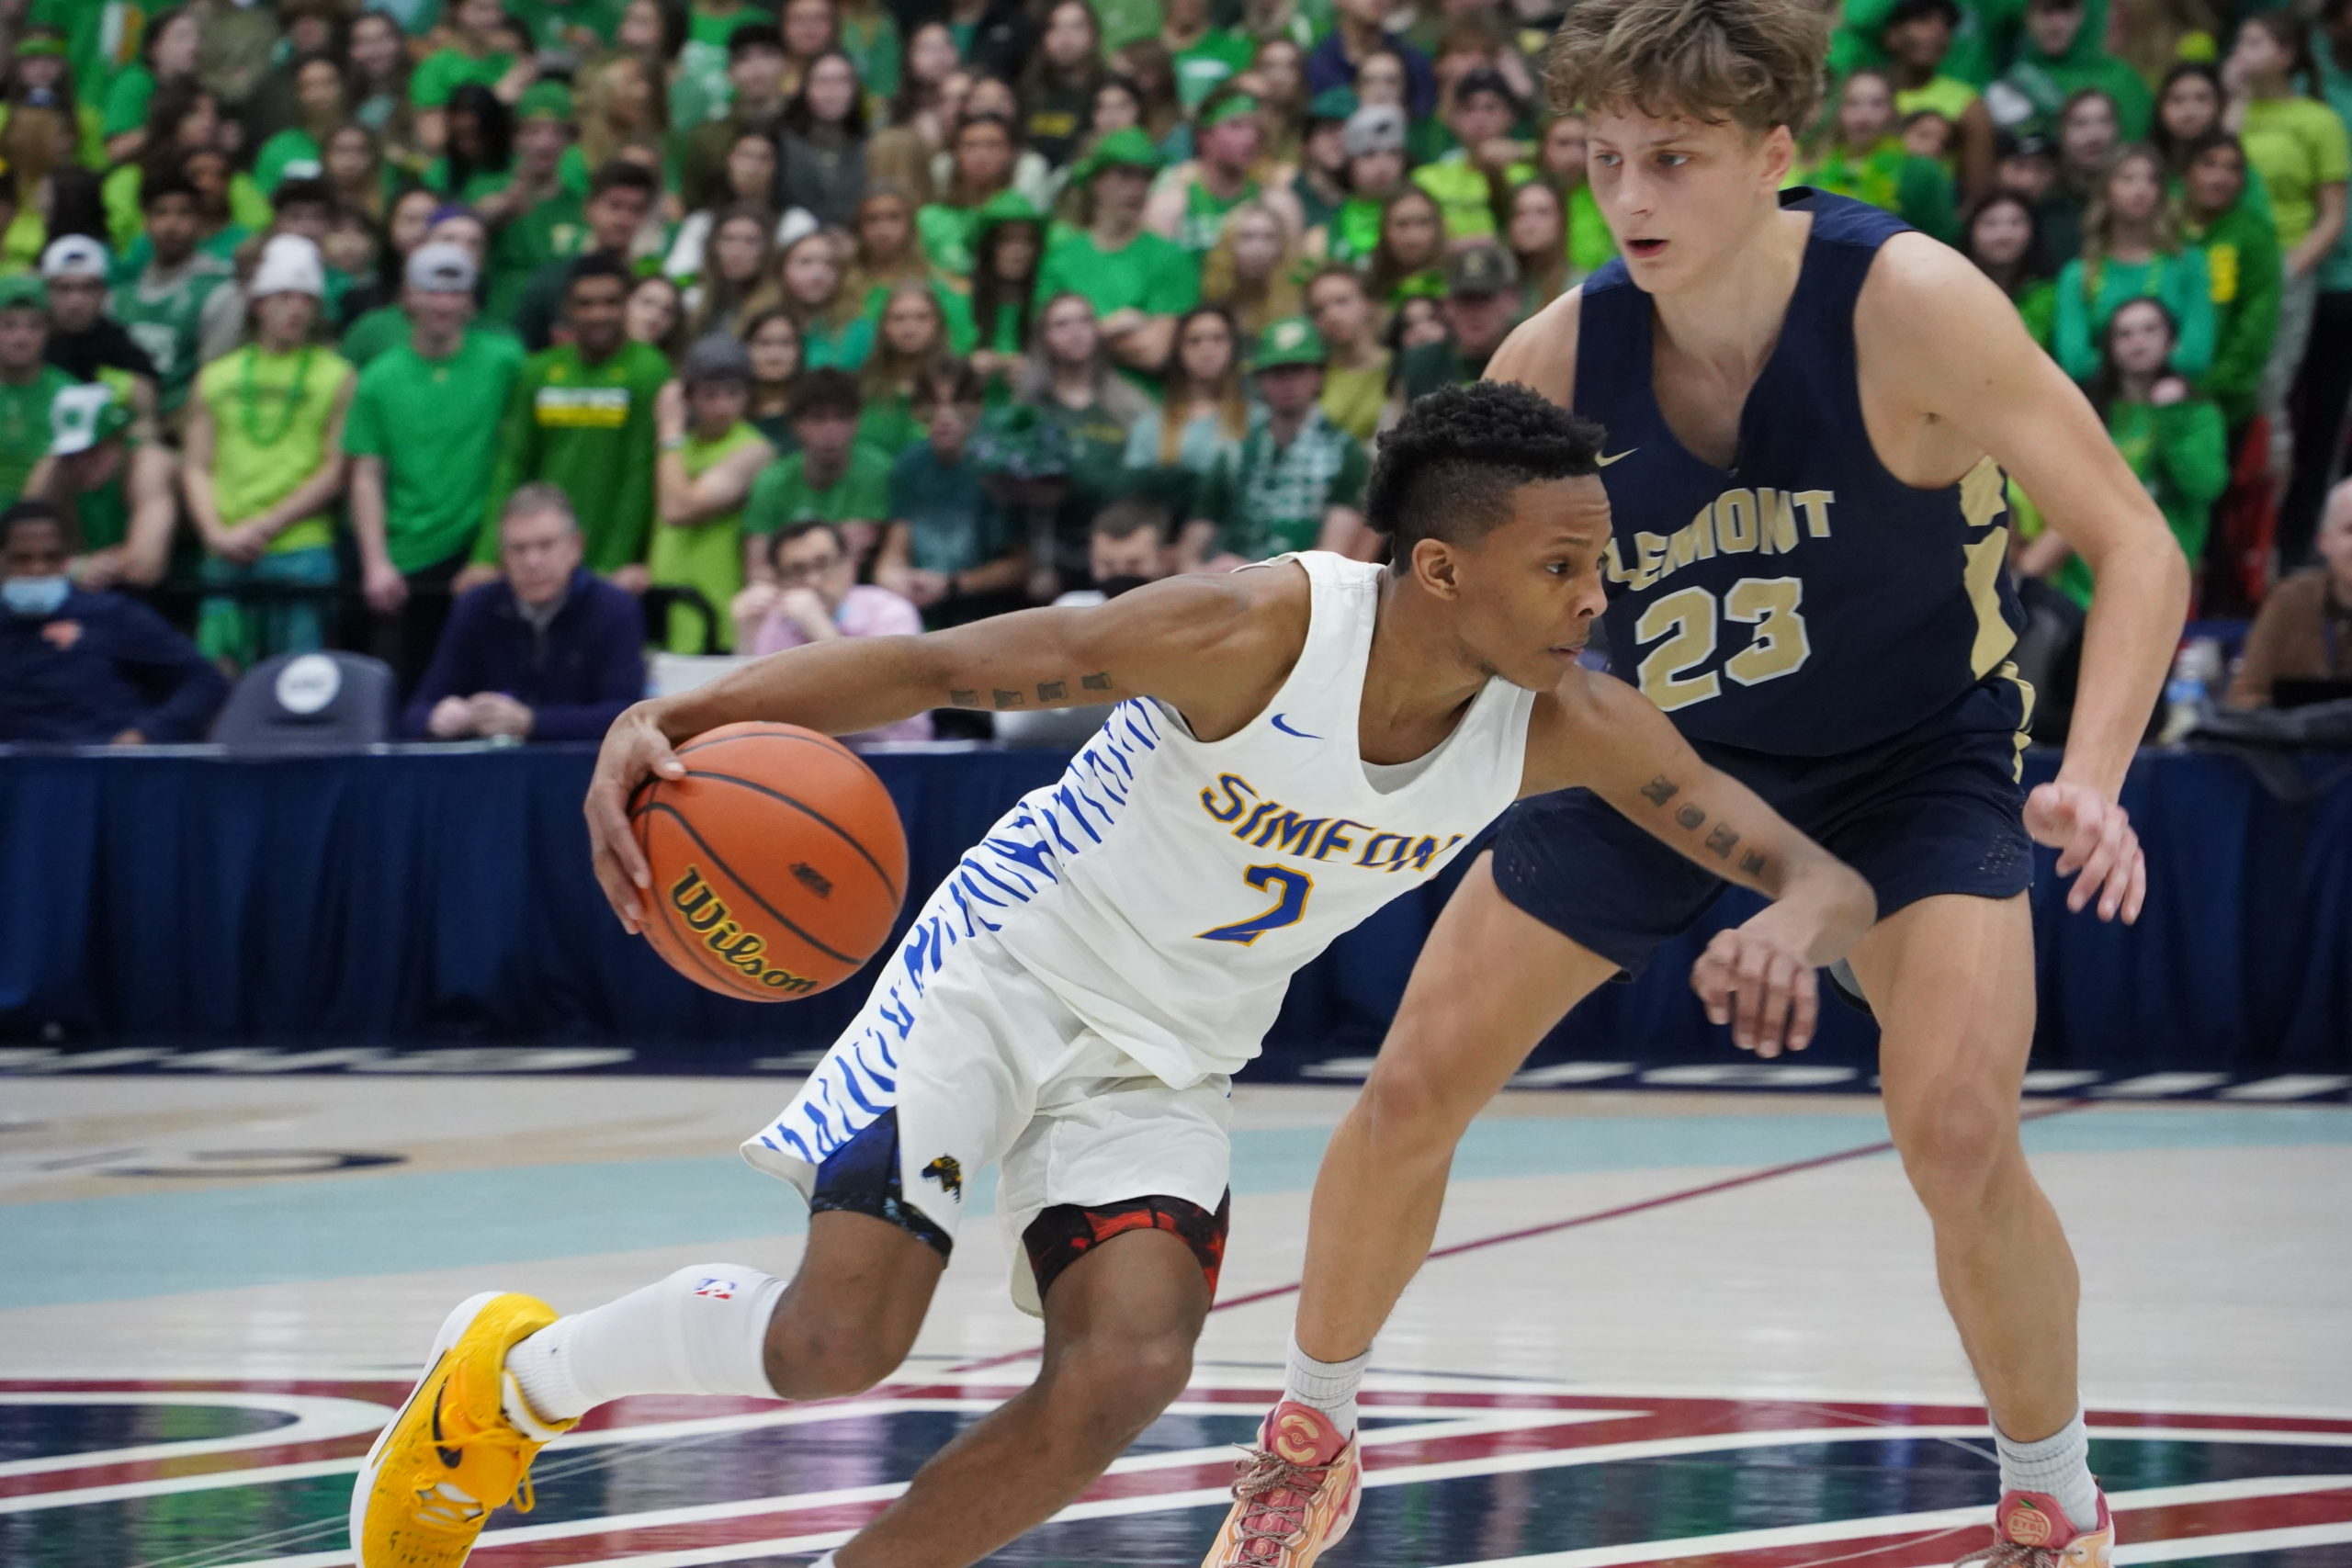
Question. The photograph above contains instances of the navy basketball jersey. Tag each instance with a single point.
(1804, 601)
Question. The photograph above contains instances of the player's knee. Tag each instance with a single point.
(1120, 1383)
(1954, 1146)
(823, 1355)
(1410, 1103)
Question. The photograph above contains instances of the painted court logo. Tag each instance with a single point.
(237, 1474)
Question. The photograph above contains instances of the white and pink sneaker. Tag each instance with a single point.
(1295, 1494)
(2030, 1530)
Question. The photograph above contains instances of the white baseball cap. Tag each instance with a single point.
(75, 255)
(290, 264)
(441, 267)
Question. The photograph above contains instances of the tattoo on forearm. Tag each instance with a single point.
(1721, 841)
(1048, 692)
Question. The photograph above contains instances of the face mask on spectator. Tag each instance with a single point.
(35, 596)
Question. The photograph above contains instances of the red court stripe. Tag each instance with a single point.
(1573, 1222)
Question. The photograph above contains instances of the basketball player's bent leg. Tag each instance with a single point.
(1489, 984)
(1121, 1320)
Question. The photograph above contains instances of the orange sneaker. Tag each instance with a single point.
(1295, 1494)
(451, 1456)
(2030, 1530)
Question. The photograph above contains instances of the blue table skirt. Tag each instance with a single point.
(433, 893)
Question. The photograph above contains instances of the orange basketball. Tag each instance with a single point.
(779, 862)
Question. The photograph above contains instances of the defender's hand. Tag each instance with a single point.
(2094, 837)
(635, 749)
(1755, 979)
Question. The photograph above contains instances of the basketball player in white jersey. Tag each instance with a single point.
(1295, 746)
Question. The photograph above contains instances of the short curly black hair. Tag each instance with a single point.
(1447, 469)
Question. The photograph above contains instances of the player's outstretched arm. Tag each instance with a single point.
(1216, 647)
(1958, 353)
(1596, 732)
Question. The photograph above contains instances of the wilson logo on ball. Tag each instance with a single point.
(705, 912)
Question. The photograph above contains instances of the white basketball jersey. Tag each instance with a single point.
(1167, 888)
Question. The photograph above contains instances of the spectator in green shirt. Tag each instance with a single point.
(709, 457)
(979, 170)
(950, 548)
(2172, 438)
(162, 304)
(166, 53)
(2002, 238)
(1297, 482)
(2131, 249)
(582, 419)
(621, 198)
(2242, 258)
(1192, 201)
(485, 49)
(28, 383)
(1006, 253)
(1079, 412)
(1863, 158)
(1480, 114)
(1480, 307)
(834, 478)
(298, 151)
(2054, 60)
(1918, 35)
(1204, 54)
(1138, 282)
(2299, 146)
(423, 436)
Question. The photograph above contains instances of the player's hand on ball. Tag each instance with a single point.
(1754, 978)
(635, 749)
(2096, 847)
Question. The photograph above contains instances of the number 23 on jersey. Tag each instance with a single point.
(1684, 627)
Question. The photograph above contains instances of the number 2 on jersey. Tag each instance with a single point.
(1288, 907)
(1687, 620)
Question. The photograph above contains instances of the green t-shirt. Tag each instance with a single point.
(375, 332)
(435, 424)
(2299, 145)
(164, 316)
(551, 23)
(25, 432)
(2181, 455)
(1917, 190)
(889, 424)
(700, 90)
(2241, 259)
(446, 71)
(2089, 295)
(824, 346)
(1591, 244)
(587, 429)
(1465, 200)
(1207, 61)
(127, 100)
(783, 495)
(707, 555)
(1151, 273)
(270, 414)
(946, 234)
(953, 523)
(547, 231)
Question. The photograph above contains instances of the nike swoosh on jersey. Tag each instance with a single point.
(1617, 457)
(1286, 730)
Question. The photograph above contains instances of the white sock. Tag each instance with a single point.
(2059, 1466)
(1328, 1386)
(702, 1330)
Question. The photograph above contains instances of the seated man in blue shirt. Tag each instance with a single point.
(549, 652)
(83, 668)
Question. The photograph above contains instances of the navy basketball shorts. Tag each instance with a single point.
(1936, 809)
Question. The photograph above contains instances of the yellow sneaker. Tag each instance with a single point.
(450, 1456)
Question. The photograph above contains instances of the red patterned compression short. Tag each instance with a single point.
(1061, 1236)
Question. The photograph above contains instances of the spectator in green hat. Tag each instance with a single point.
(28, 383)
(1138, 281)
(1320, 187)
(1191, 204)
(119, 491)
(1007, 249)
(1296, 482)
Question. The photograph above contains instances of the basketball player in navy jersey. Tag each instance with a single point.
(1809, 410)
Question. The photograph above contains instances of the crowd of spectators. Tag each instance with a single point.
(507, 340)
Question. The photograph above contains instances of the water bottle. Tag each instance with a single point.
(2188, 692)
